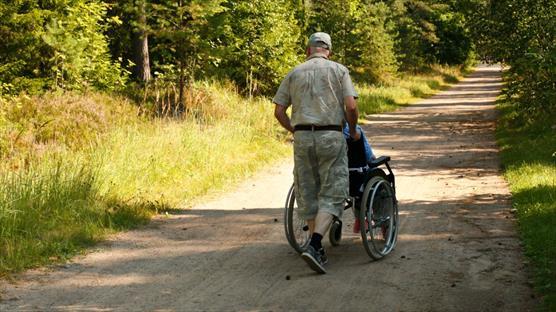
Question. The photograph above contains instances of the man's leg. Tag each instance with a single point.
(331, 153)
(320, 224)
(333, 173)
(334, 181)
(311, 225)
(306, 177)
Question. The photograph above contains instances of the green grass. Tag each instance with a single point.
(528, 151)
(78, 167)
(405, 90)
(50, 212)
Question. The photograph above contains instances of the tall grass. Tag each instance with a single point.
(529, 157)
(175, 162)
(54, 209)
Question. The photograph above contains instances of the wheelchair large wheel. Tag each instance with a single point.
(297, 230)
(378, 216)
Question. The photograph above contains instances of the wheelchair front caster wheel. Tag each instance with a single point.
(335, 233)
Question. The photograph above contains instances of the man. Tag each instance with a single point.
(322, 97)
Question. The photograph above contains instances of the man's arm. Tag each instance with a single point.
(352, 115)
(283, 119)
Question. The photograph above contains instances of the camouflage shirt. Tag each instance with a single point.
(316, 91)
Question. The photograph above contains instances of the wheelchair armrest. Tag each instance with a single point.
(379, 161)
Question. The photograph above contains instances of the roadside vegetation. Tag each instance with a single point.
(529, 158)
(525, 40)
(62, 189)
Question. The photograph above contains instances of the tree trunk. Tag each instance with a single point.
(142, 68)
(181, 85)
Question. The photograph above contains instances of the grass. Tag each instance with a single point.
(58, 196)
(76, 168)
(50, 212)
(528, 151)
(405, 90)
(177, 162)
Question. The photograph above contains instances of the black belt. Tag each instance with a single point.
(317, 128)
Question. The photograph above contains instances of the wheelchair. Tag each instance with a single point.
(373, 199)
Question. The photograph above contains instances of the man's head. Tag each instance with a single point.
(319, 42)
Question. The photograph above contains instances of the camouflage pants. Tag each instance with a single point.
(320, 172)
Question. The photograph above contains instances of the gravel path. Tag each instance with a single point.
(457, 250)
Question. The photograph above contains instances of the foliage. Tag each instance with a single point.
(80, 52)
(374, 58)
(362, 37)
(522, 34)
(22, 51)
(82, 43)
(260, 44)
(430, 32)
(179, 30)
(56, 45)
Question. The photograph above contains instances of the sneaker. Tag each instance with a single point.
(323, 256)
(315, 259)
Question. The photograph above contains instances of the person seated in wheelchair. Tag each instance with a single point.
(360, 154)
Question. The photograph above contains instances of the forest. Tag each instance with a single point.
(112, 111)
(125, 45)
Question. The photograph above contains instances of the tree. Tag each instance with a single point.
(416, 33)
(22, 50)
(373, 51)
(80, 50)
(522, 34)
(180, 29)
(132, 30)
(362, 36)
(56, 44)
(260, 43)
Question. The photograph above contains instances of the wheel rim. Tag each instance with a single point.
(379, 235)
(297, 230)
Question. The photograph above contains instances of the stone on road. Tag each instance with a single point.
(457, 249)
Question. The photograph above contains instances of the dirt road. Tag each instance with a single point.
(457, 251)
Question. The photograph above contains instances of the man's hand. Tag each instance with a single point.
(351, 116)
(355, 135)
